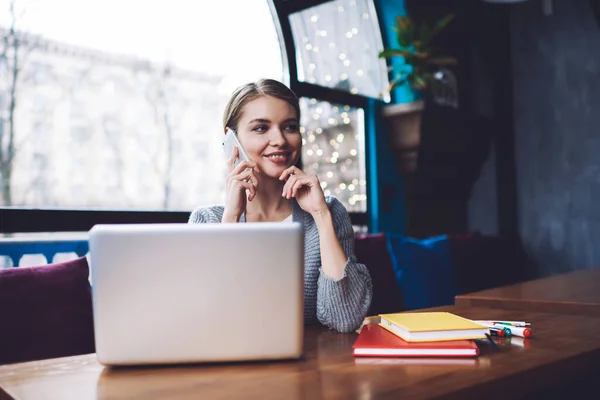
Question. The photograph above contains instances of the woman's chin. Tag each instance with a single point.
(273, 171)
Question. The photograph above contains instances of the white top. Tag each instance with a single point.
(288, 219)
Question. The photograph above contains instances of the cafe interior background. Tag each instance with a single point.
(110, 112)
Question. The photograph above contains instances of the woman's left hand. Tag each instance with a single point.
(305, 188)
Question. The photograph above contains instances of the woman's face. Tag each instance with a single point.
(270, 134)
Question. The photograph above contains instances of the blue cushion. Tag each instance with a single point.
(424, 270)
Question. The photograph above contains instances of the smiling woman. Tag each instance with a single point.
(270, 188)
(266, 116)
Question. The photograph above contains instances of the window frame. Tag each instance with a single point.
(38, 220)
(281, 11)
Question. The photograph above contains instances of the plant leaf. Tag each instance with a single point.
(403, 23)
(441, 24)
(401, 38)
(417, 49)
(428, 77)
(410, 35)
(394, 52)
(401, 80)
(419, 82)
(404, 28)
(424, 37)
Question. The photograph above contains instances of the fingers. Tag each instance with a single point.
(289, 172)
(250, 189)
(298, 184)
(245, 185)
(307, 181)
(248, 176)
(295, 183)
(231, 160)
(242, 165)
(287, 188)
(246, 180)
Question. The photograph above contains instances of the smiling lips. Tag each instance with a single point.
(279, 158)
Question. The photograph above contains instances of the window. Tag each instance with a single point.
(333, 148)
(126, 99)
(337, 44)
(116, 102)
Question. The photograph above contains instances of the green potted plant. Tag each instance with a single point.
(424, 70)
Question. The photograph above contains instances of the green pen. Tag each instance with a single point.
(522, 331)
(496, 325)
(507, 331)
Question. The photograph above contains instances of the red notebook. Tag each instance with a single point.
(375, 341)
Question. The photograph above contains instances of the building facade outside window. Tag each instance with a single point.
(130, 119)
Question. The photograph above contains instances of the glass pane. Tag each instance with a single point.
(337, 44)
(333, 140)
(119, 102)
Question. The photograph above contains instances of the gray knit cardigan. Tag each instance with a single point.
(338, 304)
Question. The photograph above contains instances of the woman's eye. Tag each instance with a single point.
(260, 128)
(292, 128)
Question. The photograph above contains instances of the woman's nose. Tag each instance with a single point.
(277, 137)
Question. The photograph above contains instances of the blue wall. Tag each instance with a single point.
(386, 194)
(387, 11)
(386, 191)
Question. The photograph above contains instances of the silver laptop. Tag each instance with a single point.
(187, 293)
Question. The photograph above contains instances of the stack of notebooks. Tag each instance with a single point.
(420, 334)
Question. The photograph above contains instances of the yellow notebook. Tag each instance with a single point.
(432, 326)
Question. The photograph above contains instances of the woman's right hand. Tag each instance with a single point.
(241, 187)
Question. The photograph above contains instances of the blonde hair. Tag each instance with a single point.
(245, 93)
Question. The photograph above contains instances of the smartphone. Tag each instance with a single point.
(228, 143)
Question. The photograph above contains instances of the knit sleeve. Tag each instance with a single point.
(343, 304)
(206, 215)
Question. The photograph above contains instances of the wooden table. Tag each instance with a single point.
(564, 348)
(572, 293)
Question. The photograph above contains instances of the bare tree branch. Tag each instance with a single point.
(117, 150)
(18, 46)
(7, 145)
(7, 164)
(156, 96)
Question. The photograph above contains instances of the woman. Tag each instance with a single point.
(269, 187)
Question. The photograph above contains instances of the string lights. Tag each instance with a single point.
(338, 44)
(332, 141)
